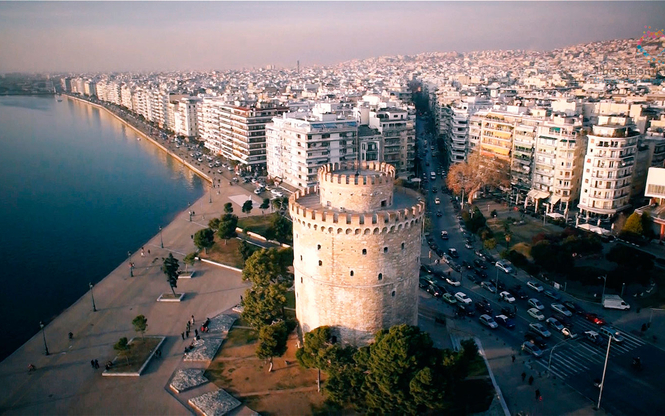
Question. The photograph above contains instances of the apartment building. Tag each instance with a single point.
(299, 143)
(127, 97)
(454, 126)
(399, 137)
(608, 167)
(238, 132)
(185, 119)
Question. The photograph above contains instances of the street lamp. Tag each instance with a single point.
(549, 362)
(161, 241)
(94, 308)
(131, 266)
(210, 195)
(497, 281)
(602, 381)
(604, 284)
(41, 325)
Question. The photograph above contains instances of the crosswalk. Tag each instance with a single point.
(579, 355)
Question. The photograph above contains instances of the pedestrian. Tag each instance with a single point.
(187, 333)
(31, 368)
(92, 363)
(183, 338)
(513, 357)
(96, 364)
(530, 380)
(71, 335)
(148, 251)
(537, 394)
(523, 376)
(189, 323)
(196, 332)
(193, 320)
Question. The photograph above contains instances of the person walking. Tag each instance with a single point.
(196, 332)
(187, 333)
(96, 364)
(193, 320)
(513, 357)
(530, 380)
(537, 394)
(183, 338)
(189, 323)
(523, 376)
(71, 335)
(92, 363)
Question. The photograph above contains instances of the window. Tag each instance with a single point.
(385, 249)
(320, 263)
(300, 258)
(364, 252)
(393, 294)
(402, 247)
(380, 276)
(351, 273)
(300, 279)
(383, 203)
(318, 246)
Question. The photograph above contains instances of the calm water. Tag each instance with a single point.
(78, 191)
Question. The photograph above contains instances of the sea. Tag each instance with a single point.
(78, 191)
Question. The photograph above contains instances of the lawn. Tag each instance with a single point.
(258, 224)
(288, 390)
(225, 253)
(138, 354)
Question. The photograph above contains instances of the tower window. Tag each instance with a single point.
(318, 246)
(320, 263)
(380, 276)
(383, 203)
(393, 294)
(364, 251)
(351, 273)
(385, 249)
(402, 248)
(301, 256)
(300, 279)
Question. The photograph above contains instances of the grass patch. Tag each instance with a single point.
(258, 224)
(477, 367)
(137, 356)
(225, 253)
(240, 336)
(473, 396)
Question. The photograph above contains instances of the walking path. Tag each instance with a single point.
(65, 383)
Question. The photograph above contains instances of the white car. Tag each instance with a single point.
(488, 321)
(463, 298)
(540, 330)
(437, 201)
(535, 286)
(535, 313)
(276, 193)
(507, 297)
(452, 281)
(536, 304)
(505, 267)
(258, 191)
(561, 309)
(553, 323)
(488, 286)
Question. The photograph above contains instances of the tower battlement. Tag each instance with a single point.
(356, 173)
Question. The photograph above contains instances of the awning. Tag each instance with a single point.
(555, 199)
(555, 215)
(537, 194)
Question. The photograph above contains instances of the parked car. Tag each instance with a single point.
(531, 348)
(535, 286)
(540, 330)
(552, 294)
(565, 321)
(463, 298)
(452, 281)
(439, 213)
(507, 297)
(554, 323)
(437, 201)
(484, 307)
(444, 235)
(464, 310)
(489, 286)
(519, 292)
(479, 264)
(423, 283)
(480, 273)
(535, 313)
(434, 291)
(474, 278)
(453, 253)
(468, 244)
(447, 297)
(593, 337)
(480, 254)
(573, 307)
(488, 321)
(505, 321)
(466, 265)
(594, 319)
(536, 339)
(504, 266)
(557, 307)
(536, 304)
(509, 312)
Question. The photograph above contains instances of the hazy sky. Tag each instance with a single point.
(160, 36)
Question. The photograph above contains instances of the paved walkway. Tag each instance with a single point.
(65, 383)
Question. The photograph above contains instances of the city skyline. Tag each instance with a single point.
(147, 36)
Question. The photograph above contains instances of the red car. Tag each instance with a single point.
(593, 318)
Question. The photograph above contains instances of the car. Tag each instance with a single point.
(466, 265)
(437, 200)
(552, 294)
(423, 283)
(593, 337)
(573, 307)
(219, 171)
(554, 323)
(501, 286)
(258, 191)
(531, 348)
(535, 313)
(455, 266)
(444, 235)
(434, 291)
(439, 213)
(509, 312)
(447, 297)
(446, 258)
(475, 279)
(506, 297)
(535, 286)
(452, 281)
(594, 319)
(489, 286)
(479, 264)
(276, 193)
(468, 244)
(504, 266)
(568, 333)
(505, 321)
(488, 321)
(480, 273)
(536, 304)
(559, 308)
(464, 310)
(425, 269)
(608, 331)
(519, 293)
(463, 298)
(565, 321)
(540, 330)
(536, 339)
(480, 254)
(484, 307)
(453, 253)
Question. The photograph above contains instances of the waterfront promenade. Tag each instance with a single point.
(65, 382)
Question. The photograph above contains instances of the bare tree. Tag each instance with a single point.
(478, 171)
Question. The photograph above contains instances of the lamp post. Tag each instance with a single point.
(161, 241)
(604, 284)
(549, 362)
(497, 281)
(602, 381)
(41, 325)
(210, 195)
(94, 308)
(131, 266)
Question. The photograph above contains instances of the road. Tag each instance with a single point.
(576, 362)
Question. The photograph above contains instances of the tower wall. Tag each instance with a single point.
(369, 190)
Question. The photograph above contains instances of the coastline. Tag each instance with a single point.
(145, 136)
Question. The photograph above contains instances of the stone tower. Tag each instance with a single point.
(356, 242)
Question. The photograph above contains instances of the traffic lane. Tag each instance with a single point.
(627, 391)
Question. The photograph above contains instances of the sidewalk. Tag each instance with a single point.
(64, 382)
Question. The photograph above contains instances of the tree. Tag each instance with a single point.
(122, 347)
(477, 172)
(507, 233)
(285, 203)
(189, 260)
(647, 226)
(170, 268)
(281, 229)
(140, 324)
(213, 224)
(265, 267)
(246, 250)
(264, 305)
(247, 206)
(489, 244)
(317, 351)
(276, 204)
(204, 239)
(272, 341)
(228, 208)
(633, 225)
(264, 205)
(227, 227)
